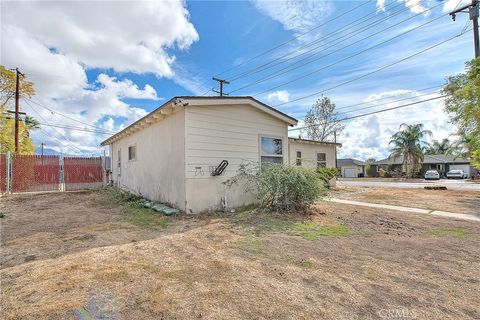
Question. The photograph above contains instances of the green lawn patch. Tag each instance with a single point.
(251, 244)
(133, 208)
(311, 231)
(455, 233)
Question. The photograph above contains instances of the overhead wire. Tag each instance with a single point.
(374, 71)
(289, 67)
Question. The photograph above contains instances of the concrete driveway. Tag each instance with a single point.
(410, 183)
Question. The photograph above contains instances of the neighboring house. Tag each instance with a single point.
(174, 154)
(312, 154)
(351, 168)
(440, 162)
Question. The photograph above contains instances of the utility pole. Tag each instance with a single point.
(42, 147)
(221, 82)
(473, 10)
(17, 108)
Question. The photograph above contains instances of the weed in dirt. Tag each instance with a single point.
(312, 231)
(251, 244)
(133, 208)
(455, 233)
(302, 263)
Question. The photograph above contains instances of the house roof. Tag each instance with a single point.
(428, 159)
(349, 162)
(177, 102)
(299, 140)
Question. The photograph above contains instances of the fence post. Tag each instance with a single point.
(62, 174)
(8, 174)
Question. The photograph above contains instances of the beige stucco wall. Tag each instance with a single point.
(309, 153)
(158, 173)
(223, 132)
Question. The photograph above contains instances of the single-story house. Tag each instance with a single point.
(183, 151)
(440, 162)
(351, 168)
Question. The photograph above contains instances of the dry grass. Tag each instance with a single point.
(340, 262)
(444, 200)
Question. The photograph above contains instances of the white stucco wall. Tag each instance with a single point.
(223, 132)
(158, 173)
(309, 153)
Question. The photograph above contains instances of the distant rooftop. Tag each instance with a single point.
(429, 159)
(349, 162)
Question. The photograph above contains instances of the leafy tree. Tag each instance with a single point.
(463, 105)
(439, 147)
(370, 169)
(408, 143)
(320, 121)
(7, 122)
(7, 87)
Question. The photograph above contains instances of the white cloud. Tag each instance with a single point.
(297, 16)
(380, 5)
(415, 6)
(125, 35)
(450, 5)
(369, 136)
(279, 96)
(56, 42)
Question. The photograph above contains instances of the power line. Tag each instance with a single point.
(294, 38)
(58, 132)
(327, 36)
(289, 67)
(63, 115)
(373, 112)
(374, 71)
(379, 105)
(385, 98)
(282, 44)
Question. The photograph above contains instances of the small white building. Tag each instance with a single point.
(175, 153)
(351, 168)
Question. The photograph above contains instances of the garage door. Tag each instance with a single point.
(464, 167)
(349, 173)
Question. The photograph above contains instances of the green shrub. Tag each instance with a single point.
(280, 187)
(327, 174)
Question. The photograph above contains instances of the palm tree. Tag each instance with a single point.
(408, 142)
(438, 147)
(30, 124)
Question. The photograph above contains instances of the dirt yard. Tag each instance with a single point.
(445, 200)
(80, 255)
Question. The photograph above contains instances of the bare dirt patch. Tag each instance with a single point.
(444, 200)
(339, 262)
(49, 225)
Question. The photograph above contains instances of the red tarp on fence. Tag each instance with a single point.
(82, 173)
(3, 172)
(35, 173)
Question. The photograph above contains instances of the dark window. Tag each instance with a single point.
(299, 158)
(132, 153)
(321, 160)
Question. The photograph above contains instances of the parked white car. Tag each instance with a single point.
(432, 175)
(456, 174)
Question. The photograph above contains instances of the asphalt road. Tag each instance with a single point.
(413, 183)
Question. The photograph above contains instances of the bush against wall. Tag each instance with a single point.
(327, 174)
(280, 187)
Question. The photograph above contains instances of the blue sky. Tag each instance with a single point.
(106, 64)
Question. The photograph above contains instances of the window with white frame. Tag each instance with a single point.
(298, 162)
(321, 159)
(132, 153)
(271, 150)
